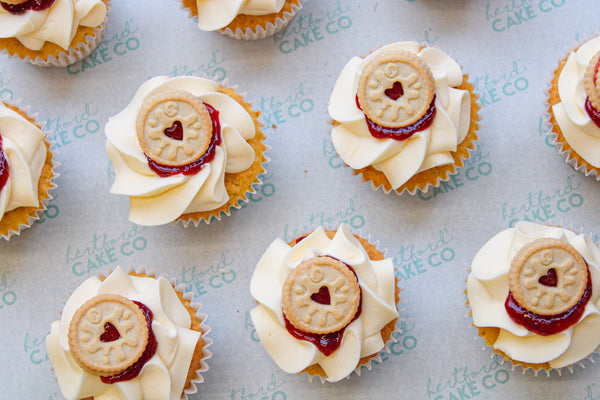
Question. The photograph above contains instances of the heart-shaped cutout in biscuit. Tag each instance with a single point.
(175, 131)
(322, 296)
(550, 279)
(110, 333)
(395, 92)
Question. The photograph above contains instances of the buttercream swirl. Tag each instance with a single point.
(56, 24)
(163, 376)
(582, 134)
(156, 200)
(25, 150)
(217, 14)
(487, 288)
(399, 160)
(361, 338)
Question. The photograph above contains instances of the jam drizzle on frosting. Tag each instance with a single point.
(33, 5)
(546, 325)
(329, 342)
(3, 167)
(403, 132)
(193, 167)
(134, 370)
(589, 108)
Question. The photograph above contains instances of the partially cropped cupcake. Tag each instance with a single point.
(405, 117)
(534, 296)
(128, 336)
(185, 148)
(243, 19)
(26, 171)
(574, 106)
(52, 32)
(327, 303)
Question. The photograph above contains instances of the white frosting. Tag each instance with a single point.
(156, 200)
(487, 289)
(400, 160)
(57, 24)
(163, 376)
(24, 148)
(576, 125)
(217, 14)
(361, 338)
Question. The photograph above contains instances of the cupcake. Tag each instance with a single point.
(128, 336)
(326, 303)
(52, 32)
(574, 106)
(26, 171)
(243, 19)
(534, 296)
(185, 148)
(404, 117)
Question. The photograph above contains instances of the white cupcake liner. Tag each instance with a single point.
(440, 179)
(368, 365)
(244, 200)
(261, 32)
(202, 317)
(51, 147)
(72, 54)
(516, 365)
(550, 133)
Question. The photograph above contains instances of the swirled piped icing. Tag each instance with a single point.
(56, 24)
(156, 200)
(217, 14)
(25, 151)
(400, 160)
(163, 376)
(488, 287)
(361, 338)
(582, 134)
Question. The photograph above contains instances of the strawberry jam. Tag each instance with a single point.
(327, 343)
(3, 167)
(134, 369)
(592, 112)
(34, 5)
(195, 166)
(546, 325)
(403, 132)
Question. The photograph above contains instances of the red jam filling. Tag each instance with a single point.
(110, 333)
(195, 166)
(592, 112)
(403, 132)
(546, 325)
(35, 5)
(135, 368)
(3, 167)
(329, 342)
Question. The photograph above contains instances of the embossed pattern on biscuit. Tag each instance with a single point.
(107, 334)
(395, 89)
(321, 295)
(548, 276)
(591, 82)
(174, 128)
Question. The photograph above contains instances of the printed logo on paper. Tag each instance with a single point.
(104, 250)
(35, 347)
(405, 342)
(350, 216)
(276, 111)
(591, 393)
(212, 69)
(307, 29)
(76, 127)
(112, 47)
(416, 259)
(263, 191)
(462, 383)
(544, 206)
(495, 88)
(8, 297)
(215, 276)
(544, 129)
(271, 390)
(507, 14)
(5, 92)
